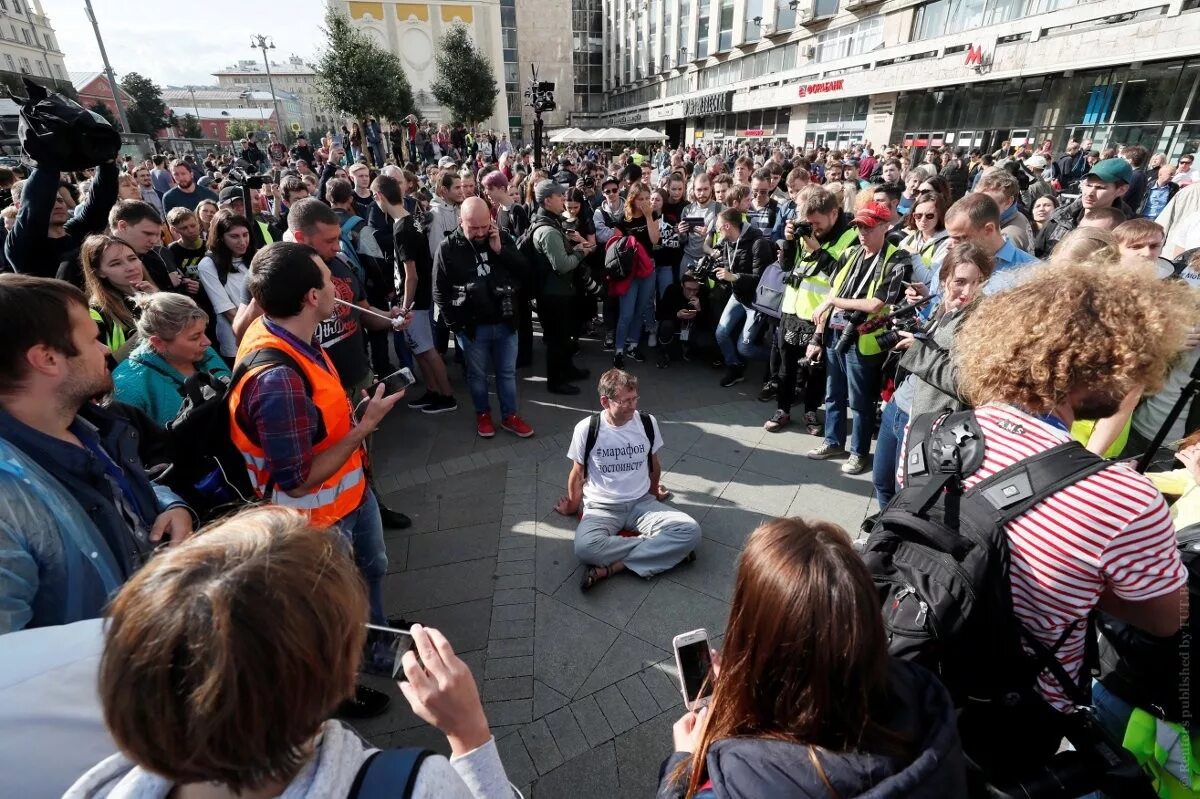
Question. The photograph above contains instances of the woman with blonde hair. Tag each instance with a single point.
(112, 274)
(806, 700)
(1087, 244)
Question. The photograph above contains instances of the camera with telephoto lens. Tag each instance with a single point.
(585, 283)
(505, 292)
(858, 324)
(908, 324)
(802, 228)
(706, 268)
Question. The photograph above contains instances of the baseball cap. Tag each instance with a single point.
(546, 189)
(446, 162)
(1036, 162)
(1112, 170)
(873, 215)
(229, 194)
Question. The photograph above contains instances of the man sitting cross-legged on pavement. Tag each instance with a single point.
(615, 479)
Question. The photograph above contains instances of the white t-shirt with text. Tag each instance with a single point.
(618, 468)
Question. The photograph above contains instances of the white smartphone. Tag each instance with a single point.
(384, 648)
(693, 659)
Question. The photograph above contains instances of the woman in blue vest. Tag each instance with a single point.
(172, 348)
(806, 700)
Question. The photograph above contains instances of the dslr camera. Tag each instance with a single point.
(706, 268)
(504, 293)
(908, 324)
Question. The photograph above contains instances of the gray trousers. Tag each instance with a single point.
(665, 537)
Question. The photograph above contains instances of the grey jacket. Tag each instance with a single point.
(931, 365)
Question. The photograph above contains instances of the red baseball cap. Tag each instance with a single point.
(873, 214)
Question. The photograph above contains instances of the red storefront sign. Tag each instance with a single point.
(821, 87)
(758, 132)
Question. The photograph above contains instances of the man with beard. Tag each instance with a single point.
(186, 193)
(1105, 541)
(78, 515)
(477, 273)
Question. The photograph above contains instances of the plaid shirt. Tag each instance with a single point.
(280, 417)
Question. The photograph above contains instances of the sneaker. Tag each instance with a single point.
(636, 353)
(424, 401)
(780, 420)
(619, 360)
(733, 375)
(815, 428)
(610, 343)
(825, 451)
(516, 425)
(653, 340)
(441, 405)
(483, 425)
(768, 391)
(855, 464)
(367, 703)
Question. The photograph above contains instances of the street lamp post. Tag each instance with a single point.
(265, 43)
(112, 81)
(195, 105)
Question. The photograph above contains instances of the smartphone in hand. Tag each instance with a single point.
(397, 381)
(693, 660)
(384, 648)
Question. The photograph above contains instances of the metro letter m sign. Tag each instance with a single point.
(974, 56)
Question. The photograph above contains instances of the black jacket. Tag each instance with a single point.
(28, 250)
(747, 258)
(921, 712)
(467, 299)
(955, 174)
(1062, 222)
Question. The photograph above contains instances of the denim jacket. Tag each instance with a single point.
(65, 546)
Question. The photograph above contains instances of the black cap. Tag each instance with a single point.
(229, 194)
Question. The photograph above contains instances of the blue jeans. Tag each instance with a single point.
(635, 306)
(851, 379)
(363, 530)
(887, 453)
(663, 276)
(493, 349)
(736, 331)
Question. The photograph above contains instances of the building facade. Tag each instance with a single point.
(296, 114)
(292, 79)
(964, 73)
(93, 88)
(28, 44)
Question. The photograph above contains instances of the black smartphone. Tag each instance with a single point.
(383, 650)
(397, 381)
(694, 221)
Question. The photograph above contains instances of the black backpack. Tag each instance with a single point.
(208, 471)
(939, 557)
(533, 256)
(593, 432)
(619, 257)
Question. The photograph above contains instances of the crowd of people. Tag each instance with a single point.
(190, 336)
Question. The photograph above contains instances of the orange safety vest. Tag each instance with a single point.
(343, 492)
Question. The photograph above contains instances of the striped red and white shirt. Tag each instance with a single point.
(1110, 530)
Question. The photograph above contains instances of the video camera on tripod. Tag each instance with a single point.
(859, 324)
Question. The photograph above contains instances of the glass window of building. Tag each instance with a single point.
(682, 45)
(655, 48)
(702, 20)
(785, 15)
(725, 26)
(943, 17)
(862, 37)
(753, 29)
(668, 27)
(825, 8)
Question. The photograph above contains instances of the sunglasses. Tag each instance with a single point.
(924, 216)
(612, 191)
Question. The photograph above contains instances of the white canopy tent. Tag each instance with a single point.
(647, 134)
(566, 135)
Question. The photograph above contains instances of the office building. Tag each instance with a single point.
(293, 78)
(965, 73)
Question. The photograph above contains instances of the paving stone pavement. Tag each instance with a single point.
(581, 690)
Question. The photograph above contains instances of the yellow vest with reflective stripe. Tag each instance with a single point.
(266, 232)
(868, 343)
(803, 300)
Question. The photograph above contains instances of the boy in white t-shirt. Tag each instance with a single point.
(617, 485)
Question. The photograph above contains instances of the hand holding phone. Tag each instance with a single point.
(384, 649)
(693, 660)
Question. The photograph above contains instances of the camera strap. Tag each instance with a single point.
(861, 276)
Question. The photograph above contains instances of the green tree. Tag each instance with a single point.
(357, 77)
(465, 85)
(148, 113)
(103, 110)
(189, 126)
(239, 129)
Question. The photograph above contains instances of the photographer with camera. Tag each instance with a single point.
(812, 243)
(477, 272)
(870, 276)
(744, 253)
(930, 385)
(558, 253)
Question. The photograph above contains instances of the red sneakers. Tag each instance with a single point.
(516, 425)
(484, 426)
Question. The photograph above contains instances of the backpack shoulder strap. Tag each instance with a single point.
(388, 774)
(269, 356)
(648, 426)
(593, 432)
(1014, 490)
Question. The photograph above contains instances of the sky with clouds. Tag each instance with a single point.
(181, 42)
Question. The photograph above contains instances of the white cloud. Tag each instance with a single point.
(177, 42)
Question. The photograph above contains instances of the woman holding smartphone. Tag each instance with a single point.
(806, 700)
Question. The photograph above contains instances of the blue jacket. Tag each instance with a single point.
(742, 768)
(147, 382)
(65, 546)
